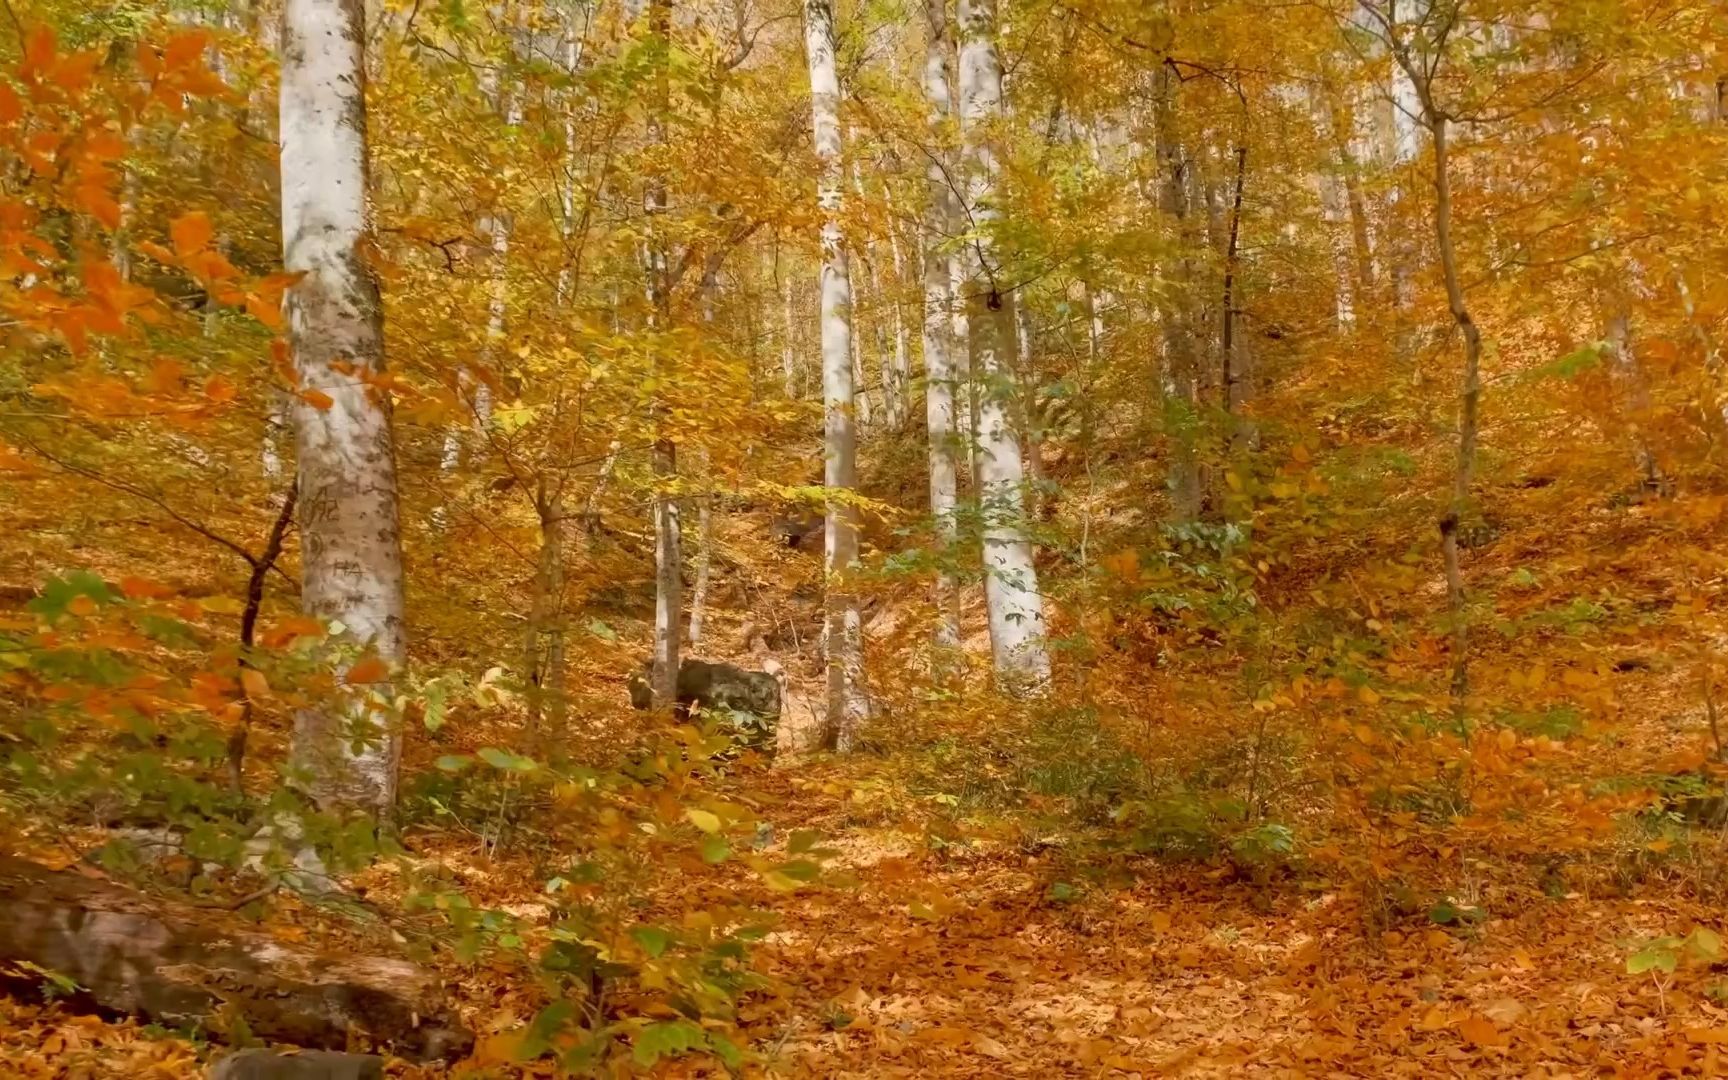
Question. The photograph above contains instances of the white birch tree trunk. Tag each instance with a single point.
(1011, 595)
(788, 348)
(351, 544)
(846, 706)
(668, 570)
(899, 376)
(939, 376)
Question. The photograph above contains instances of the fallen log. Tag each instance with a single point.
(176, 965)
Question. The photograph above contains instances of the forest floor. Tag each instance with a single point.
(1000, 957)
(964, 963)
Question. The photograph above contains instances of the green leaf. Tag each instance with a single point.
(653, 939)
(802, 841)
(545, 1027)
(1574, 363)
(1062, 892)
(601, 630)
(801, 870)
(454, 762)
(1658, 955)
(666, 1039)
(503, 759)
(715, 849)
(705, 820)
(437, 696)
(1706, 943)
(58, 592)
(727, 1051)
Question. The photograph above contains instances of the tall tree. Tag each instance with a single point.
(1011, 595)
(844, 634)
(668, 569)
(939, 373)
(351, 556)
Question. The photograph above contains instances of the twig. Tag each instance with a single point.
(252, 897)
(1710, 714)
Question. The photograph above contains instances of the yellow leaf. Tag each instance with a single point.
(703, 819)
(1368, 696)
(499, 1049)
(257, 687)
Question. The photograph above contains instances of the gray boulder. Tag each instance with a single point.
(303, 1065)
(719, 688)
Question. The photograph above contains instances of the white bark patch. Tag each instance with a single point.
(351, 540)
(1016, 608)
(846, 706)
(939, 374)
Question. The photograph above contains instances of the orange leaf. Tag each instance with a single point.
(11, 106)
(74, 72)
(252, 681)
(301, 626)
(220, 389)
(39, 49)
(318, 399)
(278, 283)
(100, 205)
(81, 605)
(369, 670)
(186, 48)
(137, 588)
(211, 266)
(191, 232)
(265, 311)
(157, 252)
(1480, 1031)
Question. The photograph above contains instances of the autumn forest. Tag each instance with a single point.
(879, 538)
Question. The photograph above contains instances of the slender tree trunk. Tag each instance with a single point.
(846, 706)
(497, 226)
(545, 635)
(351, 546)
(1470, 400)
(574, 41)
(1624, 363)
(1342, 129)
(939, 374)
(878, 328)
(704, 501)
(788, 346)
(1174, 302)
(1015, 606)
(668, 582)
(1031, 422)
(1232, 393)
(901, 368)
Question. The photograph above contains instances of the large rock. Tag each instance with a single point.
(718, 688)
(304, 1065)
(176, 965)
